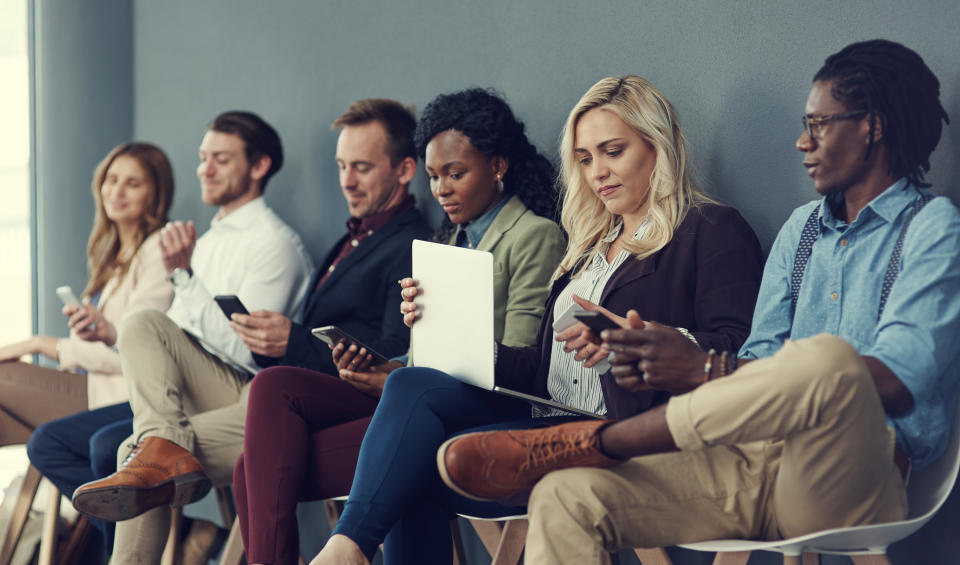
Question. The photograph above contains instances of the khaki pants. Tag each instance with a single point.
(31, 395)
(785, 446)
(178, 392)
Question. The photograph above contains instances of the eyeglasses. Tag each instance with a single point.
(814, 124)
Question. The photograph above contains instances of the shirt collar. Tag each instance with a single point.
(478, 227)
(242, 216)
(370, 224)
(887, 205)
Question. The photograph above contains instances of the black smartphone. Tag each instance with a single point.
(230, 304)
(596, 321)
(331, 335)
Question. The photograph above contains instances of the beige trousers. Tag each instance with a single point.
(785, 446)
(178, 392)
(31, 395)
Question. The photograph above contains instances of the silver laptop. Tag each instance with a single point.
(455, 333)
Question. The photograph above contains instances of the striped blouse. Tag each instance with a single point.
(568, 381)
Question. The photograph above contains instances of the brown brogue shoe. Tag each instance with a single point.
(157, 472)
(496, 465)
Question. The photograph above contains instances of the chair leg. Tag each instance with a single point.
(876, 559)
(489, 533)
(732, 558)
(21, 511)
(233, 548)
(333, 509)
(512, 542)
(811, 558)
(71, 549)
(228, 510)
(791, 559)
(172, 549)
(48, 533)
(653, 556)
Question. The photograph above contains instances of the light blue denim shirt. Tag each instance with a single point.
(918, 336)
(478, 227)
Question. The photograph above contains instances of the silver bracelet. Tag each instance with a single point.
(686, 333)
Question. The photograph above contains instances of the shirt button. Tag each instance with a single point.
(369, 232)
(354, 243)
(330, 270)
(834, 296)
(844, 242)
(574, 381)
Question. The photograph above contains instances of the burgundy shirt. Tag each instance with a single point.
(359, 229)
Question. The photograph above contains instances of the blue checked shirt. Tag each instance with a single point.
(918, 336)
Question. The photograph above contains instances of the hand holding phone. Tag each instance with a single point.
(66, 295)
(230, 305)
(332, 335)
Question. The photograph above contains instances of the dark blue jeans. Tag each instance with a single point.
(397, 495)
(81, 448)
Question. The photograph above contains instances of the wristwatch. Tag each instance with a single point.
(180, 277)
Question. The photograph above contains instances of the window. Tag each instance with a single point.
(16, 303)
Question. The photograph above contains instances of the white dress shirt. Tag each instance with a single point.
(253, 254)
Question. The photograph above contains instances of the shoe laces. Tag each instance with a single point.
(550, 447)
(133, 453)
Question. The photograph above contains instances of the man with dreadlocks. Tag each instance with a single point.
(848, 377)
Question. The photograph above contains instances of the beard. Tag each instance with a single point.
(230, 191)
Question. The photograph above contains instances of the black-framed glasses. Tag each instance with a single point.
(814, 124)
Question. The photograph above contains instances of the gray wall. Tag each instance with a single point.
(83, 103)
(738, 72)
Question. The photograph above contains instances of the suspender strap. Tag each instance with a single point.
(893, 266)
(810, 233)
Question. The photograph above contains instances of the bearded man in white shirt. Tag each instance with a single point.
(184, 396)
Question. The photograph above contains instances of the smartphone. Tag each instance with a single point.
(567, 319)
(70, 299)
(332, 335)
(230, 304)
(596, 321)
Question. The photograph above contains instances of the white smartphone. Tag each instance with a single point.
(70, 299)
(567, 319)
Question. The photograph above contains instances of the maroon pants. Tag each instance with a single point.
(301, 442)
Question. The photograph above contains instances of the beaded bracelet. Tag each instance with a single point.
(708, 365)
(723, 363)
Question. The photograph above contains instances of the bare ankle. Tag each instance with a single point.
(340, 550)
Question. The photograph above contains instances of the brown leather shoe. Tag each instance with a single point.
(496, 465)
(157, 472)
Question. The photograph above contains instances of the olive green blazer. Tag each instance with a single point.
(526, 251)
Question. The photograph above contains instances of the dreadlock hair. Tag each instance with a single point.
(486, 120)
(893, 83)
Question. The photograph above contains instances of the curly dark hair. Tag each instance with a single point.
(487, 121)
(892, 82)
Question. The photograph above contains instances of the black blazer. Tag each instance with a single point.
(705, 280)
(361, 296)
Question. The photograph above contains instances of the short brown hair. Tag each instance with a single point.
(259, 139)
(397, 119)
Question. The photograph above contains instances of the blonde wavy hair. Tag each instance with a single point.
(672, 189)
(103, 247)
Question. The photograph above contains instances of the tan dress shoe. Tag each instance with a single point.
(158, 472)
(499, 464)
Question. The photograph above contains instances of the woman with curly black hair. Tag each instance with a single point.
(497, 192)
